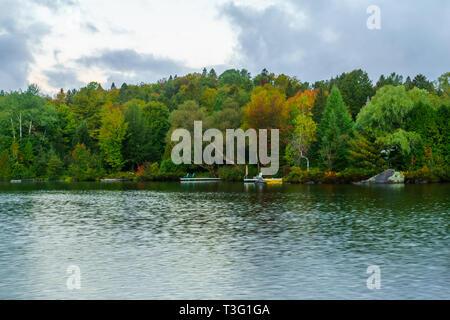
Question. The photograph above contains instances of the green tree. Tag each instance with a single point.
(422, 119)
(136, 140)
(393, 79)
(444, 86)
(111, 135)
(443, 125)
(385, 118)
(355, 87)
(54, 167)
(334, 130)
(87, 104)
(81, 135)
(421, 82)
(228, 117)
(364, 153)
(185, 116)
(388, 110)
(84, 166)
(156, 115)
(235, 77)
(319, 104)
(263, 78)
(5, 165)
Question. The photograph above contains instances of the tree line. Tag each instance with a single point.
(335, 125)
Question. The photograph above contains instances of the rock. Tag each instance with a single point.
(388, 176)
(397, 177)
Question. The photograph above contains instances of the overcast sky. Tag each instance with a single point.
(68, 43)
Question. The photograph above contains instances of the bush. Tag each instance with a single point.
(426, 175)
(168, 167)
(298, 175)
(231, 173)
(350, 175)
(121, 175)
(152, 172)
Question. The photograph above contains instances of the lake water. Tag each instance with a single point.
(224, 241)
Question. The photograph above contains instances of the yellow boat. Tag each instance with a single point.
(273, 180)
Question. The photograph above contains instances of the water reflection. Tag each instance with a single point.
(223, 240)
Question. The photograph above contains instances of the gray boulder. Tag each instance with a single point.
(388, 176)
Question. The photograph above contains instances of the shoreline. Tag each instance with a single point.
(108, 181)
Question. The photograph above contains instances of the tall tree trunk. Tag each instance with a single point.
(20, 125)
(13, 130)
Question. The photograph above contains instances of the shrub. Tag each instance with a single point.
(121, 175)
(168, 167)
(350, 175)
(426, 175)
(152, 172)
(298, 175)
(231, 173)
(331, 177)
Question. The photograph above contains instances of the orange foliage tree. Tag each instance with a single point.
(266, 110)
(301, 103)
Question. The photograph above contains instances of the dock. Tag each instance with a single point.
(267, 180)
(200, 179)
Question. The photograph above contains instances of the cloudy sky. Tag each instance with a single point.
(68, 43)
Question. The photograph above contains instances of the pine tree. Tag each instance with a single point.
(334, 130)
(364, 153)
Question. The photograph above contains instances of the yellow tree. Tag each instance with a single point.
(208, 98)
(301, 103)
(266, 110)
(303, 136)
(303, 126)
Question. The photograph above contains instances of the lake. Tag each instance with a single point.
(224, 241)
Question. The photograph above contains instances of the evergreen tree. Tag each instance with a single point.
(319, 104)
(364, 153)
(334, 130)
(355, 87)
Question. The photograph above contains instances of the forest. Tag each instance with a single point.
(333, 131)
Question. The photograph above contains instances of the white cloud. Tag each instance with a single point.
(69, 42)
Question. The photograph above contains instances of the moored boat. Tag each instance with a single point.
(273, 180)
